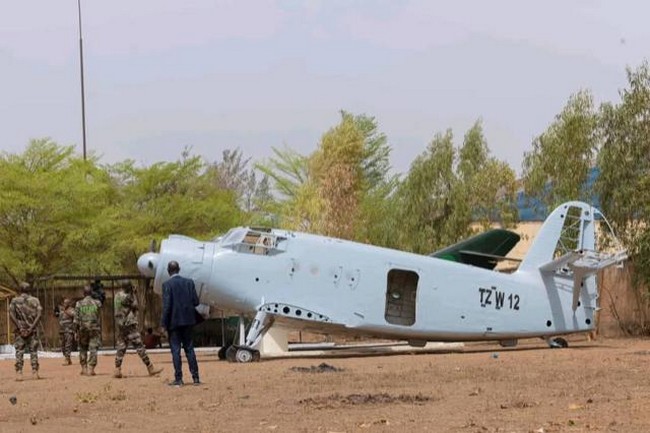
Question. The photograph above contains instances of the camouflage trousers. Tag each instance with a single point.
(89, 342)
(129, 335)
(67, 342)
(32, 342)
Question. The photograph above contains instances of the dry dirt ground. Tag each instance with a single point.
(591, 386)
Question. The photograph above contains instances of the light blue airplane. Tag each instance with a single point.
(331, 285)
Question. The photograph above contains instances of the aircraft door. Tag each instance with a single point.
(401, 295)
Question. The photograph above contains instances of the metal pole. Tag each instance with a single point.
(113, 308)
(83, 94)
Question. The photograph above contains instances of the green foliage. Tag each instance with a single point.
(337, 171)
(426, 207)
(59, 214)
(342, 189)
(51, 211)
(375, 162)
(624, 162)
(288, 171)
(169, 197)
(447, 191)
(375, 223)
(474, 152)
(556, 169)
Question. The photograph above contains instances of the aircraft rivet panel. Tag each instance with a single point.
(286, 310)
(292, 268)
(336, 277)
(353, 278)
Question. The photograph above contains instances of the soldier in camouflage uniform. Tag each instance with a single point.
(87, 325)
(25, 311)
(126, 321)
(65, 313)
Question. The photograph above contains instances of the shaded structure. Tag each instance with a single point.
(51, 291)
(5, 329)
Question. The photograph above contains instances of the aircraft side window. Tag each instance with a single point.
(401, 294)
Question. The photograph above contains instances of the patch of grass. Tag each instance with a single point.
(87, 397)
(119, 395)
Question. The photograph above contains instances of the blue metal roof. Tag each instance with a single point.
(531, 209)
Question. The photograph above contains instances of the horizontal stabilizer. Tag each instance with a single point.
(583, 264)
(561, 262)
(483, 250)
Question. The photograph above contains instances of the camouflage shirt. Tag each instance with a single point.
(87, 314)
(126, 307)
(25, 309)
(66, 317)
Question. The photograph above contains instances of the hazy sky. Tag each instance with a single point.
(163, 74)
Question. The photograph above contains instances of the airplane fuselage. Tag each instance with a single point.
(325, 282)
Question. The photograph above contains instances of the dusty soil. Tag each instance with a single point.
(592, 386)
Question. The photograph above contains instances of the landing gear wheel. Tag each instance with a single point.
(256, 355)
(231, 353)
(244, 355)
(558, 343)
(222, 353)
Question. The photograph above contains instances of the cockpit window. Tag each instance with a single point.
(251, 241)
(233, 236)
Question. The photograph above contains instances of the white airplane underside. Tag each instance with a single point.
(328, 285)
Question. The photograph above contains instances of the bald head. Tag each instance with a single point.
(173, 268)
(88, 290)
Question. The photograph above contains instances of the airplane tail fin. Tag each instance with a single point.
(570, 227)
(566, 247)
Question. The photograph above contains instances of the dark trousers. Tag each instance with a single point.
(183, 336)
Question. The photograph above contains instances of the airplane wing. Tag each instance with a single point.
(483, 250)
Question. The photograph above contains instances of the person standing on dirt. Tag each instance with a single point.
(178, 318)
(87, 325)
(65, 314)
(126, 321)
(25, 312)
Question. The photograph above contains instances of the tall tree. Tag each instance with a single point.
(170, 197)
(375, 222)
(557, 167)
(52, 212)
(349, 172)
(288, 170)
(486, 189)
(233, 173)
(336, 167)
(448, 190)
(624, 163)
(424, 199)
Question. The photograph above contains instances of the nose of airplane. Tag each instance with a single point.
(147, 264)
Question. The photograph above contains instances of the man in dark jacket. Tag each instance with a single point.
(178, 318)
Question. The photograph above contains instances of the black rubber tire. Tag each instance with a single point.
(222, 353)
(231, 352)
(560, 343)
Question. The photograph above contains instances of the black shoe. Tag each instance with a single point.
(196, 382)
(176, 383)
